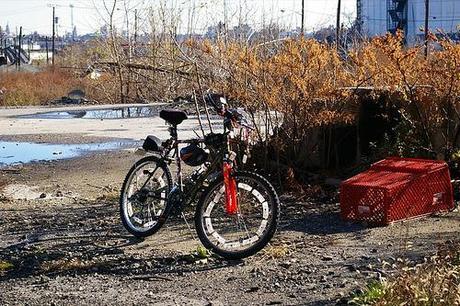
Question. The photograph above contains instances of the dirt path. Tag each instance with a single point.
(69, 247)
(132, 128)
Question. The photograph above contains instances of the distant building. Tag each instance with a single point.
(377, 17)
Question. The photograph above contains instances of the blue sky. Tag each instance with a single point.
(89, 15)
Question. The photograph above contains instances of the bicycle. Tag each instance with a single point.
(237, 212)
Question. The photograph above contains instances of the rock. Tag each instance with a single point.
(252, 289)
(351, 267)
(42, 196)
(286, 264)
(202, 261)
(306, 270)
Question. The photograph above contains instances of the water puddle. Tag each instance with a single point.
(23, 152)
(106, 113)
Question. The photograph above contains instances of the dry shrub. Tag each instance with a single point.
(295, 82)
(426, 89)
(159, 73)
(313, 88)
(28, 88)
(435, 282)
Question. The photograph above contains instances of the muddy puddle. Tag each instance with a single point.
(106, 113)
(12, 153)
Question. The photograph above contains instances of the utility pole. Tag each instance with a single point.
(71, 21)
(338, 27)
(20, 46)
(54, 36)
(427, 16)
(15, 45)
(135, 26)
(302, 27)
(47, 51)
(225, 20)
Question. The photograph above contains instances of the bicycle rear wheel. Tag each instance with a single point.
(236, 236)
(144, 195)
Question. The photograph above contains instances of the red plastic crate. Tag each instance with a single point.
(397, 189)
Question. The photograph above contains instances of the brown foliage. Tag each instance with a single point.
(27, 88)
(309, 85)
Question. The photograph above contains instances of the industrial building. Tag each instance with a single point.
(377, 17)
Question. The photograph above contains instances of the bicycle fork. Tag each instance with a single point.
(231, 199)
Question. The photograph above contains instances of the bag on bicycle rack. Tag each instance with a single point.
(153, 144)
(193, 155)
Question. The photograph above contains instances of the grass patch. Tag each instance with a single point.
(370, 295)
(5, 266)
(199, 255)
(202, 252)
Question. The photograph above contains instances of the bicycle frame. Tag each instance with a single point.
(213, 167)
(222, 161)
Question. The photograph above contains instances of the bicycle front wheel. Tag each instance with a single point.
(239, 235)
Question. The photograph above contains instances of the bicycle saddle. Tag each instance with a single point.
(173, 116)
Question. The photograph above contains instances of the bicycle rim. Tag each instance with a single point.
(249, 227)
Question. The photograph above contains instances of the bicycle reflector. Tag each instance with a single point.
(231, 201)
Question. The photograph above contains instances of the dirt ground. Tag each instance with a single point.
(70, 248)
(62, 243)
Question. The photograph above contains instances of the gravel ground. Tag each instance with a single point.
(66, 246)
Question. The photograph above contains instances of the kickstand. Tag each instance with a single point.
(188, 225)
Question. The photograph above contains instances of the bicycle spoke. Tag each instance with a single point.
(150, 177)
